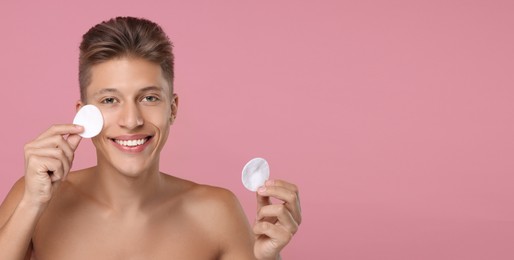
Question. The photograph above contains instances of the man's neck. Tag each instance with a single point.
(121, 192)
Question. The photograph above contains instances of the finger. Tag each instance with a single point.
(290, 198)
(43, 154)
(278, 235)
(47, 167)
(281, 213)
(54, 170)
(285, 184)
(293, 189)
(56, 141)
(63, 129)
(74, 141)
(262, 201)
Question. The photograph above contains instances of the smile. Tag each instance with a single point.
(132, 143)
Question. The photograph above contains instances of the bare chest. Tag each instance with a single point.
(89, 235)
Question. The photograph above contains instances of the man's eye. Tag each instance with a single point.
(150, 99)
(108, 101)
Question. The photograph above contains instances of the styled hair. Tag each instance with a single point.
(124, 37)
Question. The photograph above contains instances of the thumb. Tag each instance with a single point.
(74, 141)
(262, 201)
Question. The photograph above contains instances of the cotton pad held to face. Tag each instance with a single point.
(255, 174)
(91, 119)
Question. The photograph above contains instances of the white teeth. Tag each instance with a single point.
(131, 143)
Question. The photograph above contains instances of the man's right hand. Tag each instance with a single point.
(48, 160)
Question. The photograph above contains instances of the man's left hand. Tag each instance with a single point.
(276, 224)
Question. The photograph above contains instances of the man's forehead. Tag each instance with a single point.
(127, 74)
(127, 69)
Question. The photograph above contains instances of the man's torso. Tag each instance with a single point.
(178, 225)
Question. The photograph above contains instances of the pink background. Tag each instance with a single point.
(395, 118)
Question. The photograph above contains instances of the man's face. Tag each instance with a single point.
(135, 102)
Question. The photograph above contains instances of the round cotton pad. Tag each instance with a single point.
(91, 119)
(255, 173)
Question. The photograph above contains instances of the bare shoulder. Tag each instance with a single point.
(219, 213)
(12, 200)
(199, 197)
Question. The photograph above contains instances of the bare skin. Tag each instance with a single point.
(125, 208)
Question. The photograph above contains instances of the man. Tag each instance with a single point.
(124, 207)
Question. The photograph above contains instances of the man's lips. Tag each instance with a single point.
(131, 141)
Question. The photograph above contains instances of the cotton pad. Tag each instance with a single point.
(255, 174)
(91, 119)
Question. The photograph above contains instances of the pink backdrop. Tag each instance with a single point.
(395, 118)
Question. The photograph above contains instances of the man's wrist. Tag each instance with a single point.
(31, 206)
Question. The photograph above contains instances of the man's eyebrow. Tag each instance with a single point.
(105, 90)
(114, 90)
(151, 88)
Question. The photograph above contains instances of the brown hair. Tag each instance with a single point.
(124, 37)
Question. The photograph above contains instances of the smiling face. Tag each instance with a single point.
(138, 109)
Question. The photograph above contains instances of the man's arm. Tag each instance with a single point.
(48, 160)
(17, 223)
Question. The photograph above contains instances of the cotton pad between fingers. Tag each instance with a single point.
(255, 174)
(90, 117)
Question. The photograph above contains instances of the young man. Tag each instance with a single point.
(124, 207)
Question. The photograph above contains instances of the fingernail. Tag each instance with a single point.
(261, 189)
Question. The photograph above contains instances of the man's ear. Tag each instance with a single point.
(78, 105)
(174, 108)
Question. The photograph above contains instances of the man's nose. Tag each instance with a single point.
(131, 116)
